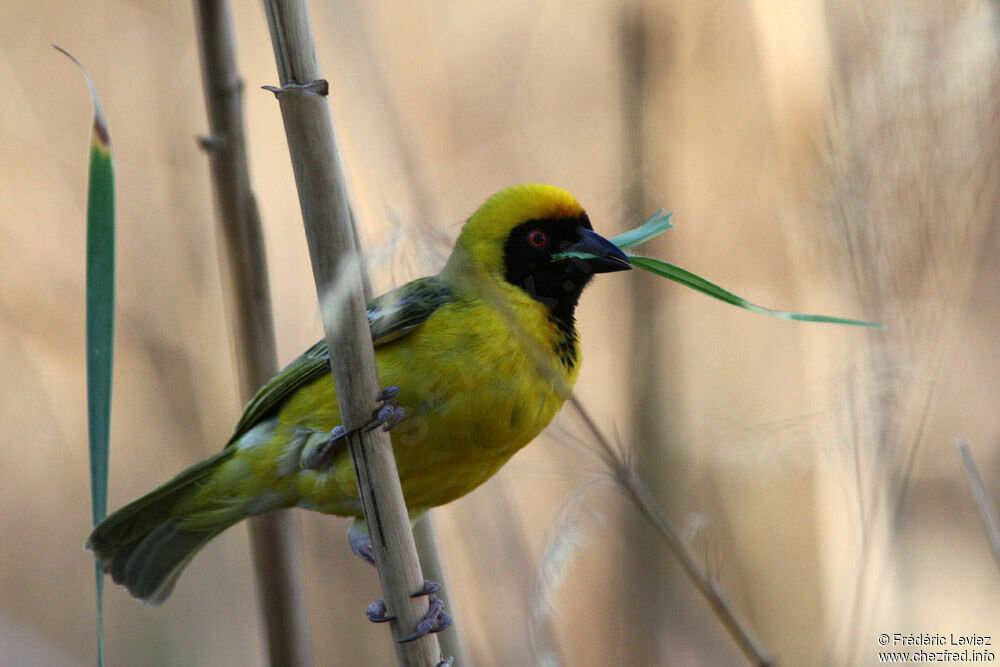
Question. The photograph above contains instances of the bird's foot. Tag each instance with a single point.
(388, 414)
(377, 612)
(435, 620)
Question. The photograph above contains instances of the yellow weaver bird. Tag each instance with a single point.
(478, 359)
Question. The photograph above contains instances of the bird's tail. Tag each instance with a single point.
(145, 545)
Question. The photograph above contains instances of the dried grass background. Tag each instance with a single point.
(834, 157)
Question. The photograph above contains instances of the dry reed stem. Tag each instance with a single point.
(275, 537)
(646, 340)
(332, 246)
(984, 503)
(741, 632)
(451, 640)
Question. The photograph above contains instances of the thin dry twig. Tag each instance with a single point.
(744, 636)
(984, 503)
(333, 244)
(452, 640)
(275, 537)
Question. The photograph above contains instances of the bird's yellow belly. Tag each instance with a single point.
(464, 442)
(466, 415)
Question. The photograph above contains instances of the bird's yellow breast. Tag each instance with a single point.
(477, 382)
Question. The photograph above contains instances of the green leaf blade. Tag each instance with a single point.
(684, 277)
(100, 280)
(656, 225)
(100, 317)
(660, 223)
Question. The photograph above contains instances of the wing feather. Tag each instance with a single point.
(390, 317)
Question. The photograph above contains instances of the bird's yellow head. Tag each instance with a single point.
(514, 235)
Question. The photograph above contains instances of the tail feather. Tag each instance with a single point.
(150, 568)
(144, 547)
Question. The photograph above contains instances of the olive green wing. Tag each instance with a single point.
(398, 312)
(306, 368)
(390, 316)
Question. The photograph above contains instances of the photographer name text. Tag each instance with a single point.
(925, 639)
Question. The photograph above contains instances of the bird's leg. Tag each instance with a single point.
(435, 620)
(388, 414)
(361, 542)
(361, 545)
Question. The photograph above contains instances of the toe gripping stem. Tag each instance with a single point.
(388, 414)
(435, 620)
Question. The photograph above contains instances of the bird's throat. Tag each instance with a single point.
(559, 292)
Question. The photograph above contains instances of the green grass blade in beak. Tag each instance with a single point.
(599, 254)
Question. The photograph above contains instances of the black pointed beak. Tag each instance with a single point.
(607, 257)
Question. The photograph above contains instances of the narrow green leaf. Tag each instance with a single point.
(656, 225)
(660, 223)
(100, 319)
(695, 282)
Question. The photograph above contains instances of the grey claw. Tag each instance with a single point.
(435, 620)
(427, 588)
(397, 416)
(392, 391)
(389, 413)
(377, 612)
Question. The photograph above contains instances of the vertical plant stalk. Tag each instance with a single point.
(643, 568)
(275, 537)
(334, 254)
(451, 640)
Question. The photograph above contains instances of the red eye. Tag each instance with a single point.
(537, 239)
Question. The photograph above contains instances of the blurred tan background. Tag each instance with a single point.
(831, 157)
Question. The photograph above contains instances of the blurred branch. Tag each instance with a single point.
(984, 503)
(642, 568)
(744, 636)
(275, 537)
(333, 250)
(451, 639)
